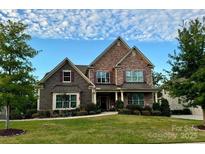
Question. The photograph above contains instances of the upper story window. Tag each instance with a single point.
(66, 75)
(134, 76)
(102, 77)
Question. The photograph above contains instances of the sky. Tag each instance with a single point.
(81, 35)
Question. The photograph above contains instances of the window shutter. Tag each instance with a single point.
(94, 73)
(111, 78)
(144, 76)
(61, 76)
(124, 76)
(72, 76)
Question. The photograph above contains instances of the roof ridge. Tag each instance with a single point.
(130, 51)
(59, 66)
(106, 49)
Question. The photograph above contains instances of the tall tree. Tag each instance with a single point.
(187, 75)
(16, 79)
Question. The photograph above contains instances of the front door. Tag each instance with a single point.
(104, 102)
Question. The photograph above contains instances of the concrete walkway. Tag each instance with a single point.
(75, 117)
(192, 117)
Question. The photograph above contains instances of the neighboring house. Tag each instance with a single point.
(175, 103)
(118, 73)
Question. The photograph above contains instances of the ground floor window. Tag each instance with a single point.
(136, 98)
(65, 101)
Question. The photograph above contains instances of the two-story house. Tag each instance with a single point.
(118, 73)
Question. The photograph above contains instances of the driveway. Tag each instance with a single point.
(192, 117)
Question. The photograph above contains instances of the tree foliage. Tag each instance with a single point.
(158, 79)
(16, 79)
(187, 75)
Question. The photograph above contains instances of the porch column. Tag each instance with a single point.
(116, 96)
(156, 97)
(93, 96)
(122, 97)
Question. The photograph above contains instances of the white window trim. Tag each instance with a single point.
(77, 100)
(143, 77)
(63, 76)
(101, 78)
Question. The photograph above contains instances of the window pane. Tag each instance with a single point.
(66, 78)
(66, 104)
(66, 73)
(73, 97)
(73, 104)
(103, 77)
(58, 104)
(140, 76)
(59, 101)
(136, 98)
(58, 97)
(128, 76)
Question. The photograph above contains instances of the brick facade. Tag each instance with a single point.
(54, 84)
(109, 60)
(119, 51)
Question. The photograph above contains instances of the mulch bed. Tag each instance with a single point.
(11, 132)
(200, 127)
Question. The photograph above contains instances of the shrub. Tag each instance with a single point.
(82, 107)
(29, 113)
(92, 112)
(156, 106)
(66, 113)
(119, 104)
(35, 115)
(156, 113)
(126, 111)
(146, 112)
(16, 115)
(187, 111)
(98, 111)
(44, 114)
(120, 111)
(136, 112)
(90, 107)
(165, 109)
(148, 108)
(81, 113)
(133, 107)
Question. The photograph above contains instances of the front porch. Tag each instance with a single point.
(106, 100)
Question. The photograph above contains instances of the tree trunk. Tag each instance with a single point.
(7, 116)
(203, 116)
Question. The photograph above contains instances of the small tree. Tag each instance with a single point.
(16, 81)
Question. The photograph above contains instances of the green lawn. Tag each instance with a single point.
(107, 129)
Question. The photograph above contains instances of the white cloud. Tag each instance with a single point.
(102, 24)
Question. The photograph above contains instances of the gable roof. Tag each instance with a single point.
(59, 66)
(107, 49)
(138, 51)
(82, 68)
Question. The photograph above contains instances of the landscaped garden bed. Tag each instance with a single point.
(11, 132)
